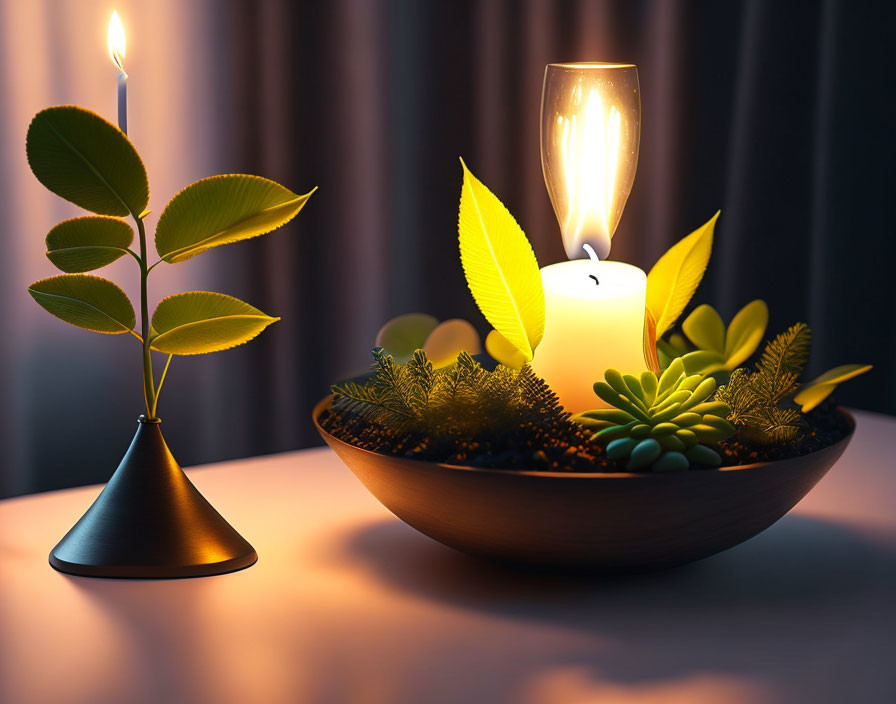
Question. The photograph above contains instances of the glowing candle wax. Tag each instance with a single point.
(594, 311)
(590, 328)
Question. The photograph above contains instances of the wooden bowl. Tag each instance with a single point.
(599, 521)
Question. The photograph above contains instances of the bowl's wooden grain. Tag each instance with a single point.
(600, 521)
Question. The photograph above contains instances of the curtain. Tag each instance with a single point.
(778, 114)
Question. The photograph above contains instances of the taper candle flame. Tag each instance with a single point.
(115, 40)
(590, 133)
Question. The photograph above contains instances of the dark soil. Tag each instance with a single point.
(569, 450)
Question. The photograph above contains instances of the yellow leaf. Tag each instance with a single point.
(503, 352)
(674, 278)
(500, 267)
(745, 333)
(821, 387)
(449, 339)
(705, 329)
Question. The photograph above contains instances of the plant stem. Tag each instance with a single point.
(149, 392)
(161, 382)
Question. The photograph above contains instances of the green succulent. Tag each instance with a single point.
(661, 423)
(710, 347)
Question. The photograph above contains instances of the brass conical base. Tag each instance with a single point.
(150, 522)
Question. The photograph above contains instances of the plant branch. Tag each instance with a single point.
(161, 382)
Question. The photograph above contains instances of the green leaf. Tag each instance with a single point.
(198, 322)
(745, 333)
(674, 278)
(404, 334)
(702, 362)
(84, 244)
(83, 158)
(704, 327)
(222, 210)
(500, 266)
(89, 302)
(821, 387)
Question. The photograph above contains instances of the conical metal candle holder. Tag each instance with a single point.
(150, 522)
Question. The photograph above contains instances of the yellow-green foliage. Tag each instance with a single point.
(461, 400)
(710, 347)
(500, 267)
(659, 422)
(758, 398)
(675, 276)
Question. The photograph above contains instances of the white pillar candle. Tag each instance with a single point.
(590, 327)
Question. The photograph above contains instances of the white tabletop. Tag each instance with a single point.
(347, 604)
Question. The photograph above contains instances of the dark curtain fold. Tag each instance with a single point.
(779, 114)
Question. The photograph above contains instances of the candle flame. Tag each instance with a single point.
(115, 40)
(590, 140)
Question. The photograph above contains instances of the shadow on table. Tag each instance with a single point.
(771, 610)
(798, 560)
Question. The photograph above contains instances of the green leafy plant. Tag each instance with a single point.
(710, 348)
(757, 398)
(660, 422)
(461, 399)
(766, 403)
(88, 161)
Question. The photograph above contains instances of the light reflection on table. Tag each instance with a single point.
(346, 604)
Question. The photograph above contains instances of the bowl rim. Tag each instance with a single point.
(326, 402)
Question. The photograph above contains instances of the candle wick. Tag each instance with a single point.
(594, 258)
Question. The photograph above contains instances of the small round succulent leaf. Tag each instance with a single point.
(649, 386)
(670, 377)
(644, 453)
(700, 454)
(708, 433)
(667, 414)
(617, 383)
(671, 442)
(636, 393)
(716, 408)
(621, 448)
(702, 362)
(688, 437)
(686, 419)
(671, 462)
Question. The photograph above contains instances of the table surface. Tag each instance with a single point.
(347, 604)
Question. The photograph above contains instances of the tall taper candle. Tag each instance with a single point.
(116, 53)
(123, 101)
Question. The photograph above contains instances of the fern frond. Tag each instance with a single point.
(780, 425)
(786, 355)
